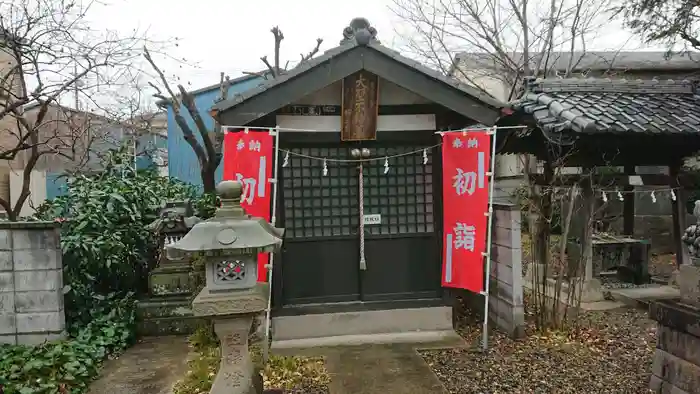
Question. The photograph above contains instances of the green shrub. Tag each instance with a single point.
(107, 255)
(68, 366)
(107, 248)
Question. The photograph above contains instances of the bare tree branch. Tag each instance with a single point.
(313, 52)
(502, 40)
(274, 69)
(49, 53)
(208, 148)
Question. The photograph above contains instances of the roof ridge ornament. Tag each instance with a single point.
(361, 31)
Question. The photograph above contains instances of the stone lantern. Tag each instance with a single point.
(229, 243)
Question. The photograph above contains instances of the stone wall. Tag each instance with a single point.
(506, 291)
(31, 283)
(676, 366)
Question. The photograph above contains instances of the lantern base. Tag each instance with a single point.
(236, 370)
(233, 302)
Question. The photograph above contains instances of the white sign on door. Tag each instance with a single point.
(372, 219)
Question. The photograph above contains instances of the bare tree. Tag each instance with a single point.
(134, 122)
(557, 277)
(51, 54)
(208, 144)
(274, 69)
(674, 23)
(506, 39)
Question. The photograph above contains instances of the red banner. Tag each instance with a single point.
(465, 163)
(248, 159)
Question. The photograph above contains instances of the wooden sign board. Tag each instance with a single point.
(360, 107)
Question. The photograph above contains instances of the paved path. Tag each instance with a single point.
(396, 369)
(152, 366)
(378, 369)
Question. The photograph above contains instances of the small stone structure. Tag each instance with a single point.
(676, 367)
(31, 283)
(167, 311)
(506, 286)
(172, 276)
(230, 243)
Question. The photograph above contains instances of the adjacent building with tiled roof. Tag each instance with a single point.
(592, 106)
(495, 76)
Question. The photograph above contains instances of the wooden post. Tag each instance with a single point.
(587, 211)
(679, 214)
(628, 205)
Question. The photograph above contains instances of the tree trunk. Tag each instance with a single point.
(208, 179)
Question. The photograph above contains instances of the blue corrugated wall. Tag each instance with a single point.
(55, 185)
(182, 162)
(56, 182)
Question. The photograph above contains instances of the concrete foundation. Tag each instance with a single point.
(380, 326)
(31, 283)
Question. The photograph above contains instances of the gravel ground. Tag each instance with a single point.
(611, 352)
(662, 265)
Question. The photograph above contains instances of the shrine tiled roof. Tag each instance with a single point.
(592, 106)
(359, 50)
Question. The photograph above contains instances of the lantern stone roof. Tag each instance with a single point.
(358, 50)
(231, 231)
(612, 106)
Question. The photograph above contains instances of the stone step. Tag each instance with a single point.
(426, 324)
(166, 316)
(164, 307)
(161, 326)
(659, 280)
(640, 297)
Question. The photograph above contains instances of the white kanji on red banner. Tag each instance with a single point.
(468, 181)
(465, 203)
(465, 237)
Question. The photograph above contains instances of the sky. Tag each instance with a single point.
(232, 35)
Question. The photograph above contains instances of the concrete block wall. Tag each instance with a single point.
(31, 283)
(676, 365)
(506, 277)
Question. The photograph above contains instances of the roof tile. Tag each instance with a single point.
(618, 106)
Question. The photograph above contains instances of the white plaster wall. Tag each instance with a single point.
(332, 123)
(37, 189)
(389, 94)
(486, 81)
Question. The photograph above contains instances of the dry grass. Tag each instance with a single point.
(307, 375)
(611, 352)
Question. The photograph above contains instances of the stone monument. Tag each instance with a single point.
(676, 367)
(173, 275)
(229, 243)
(171, 284)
